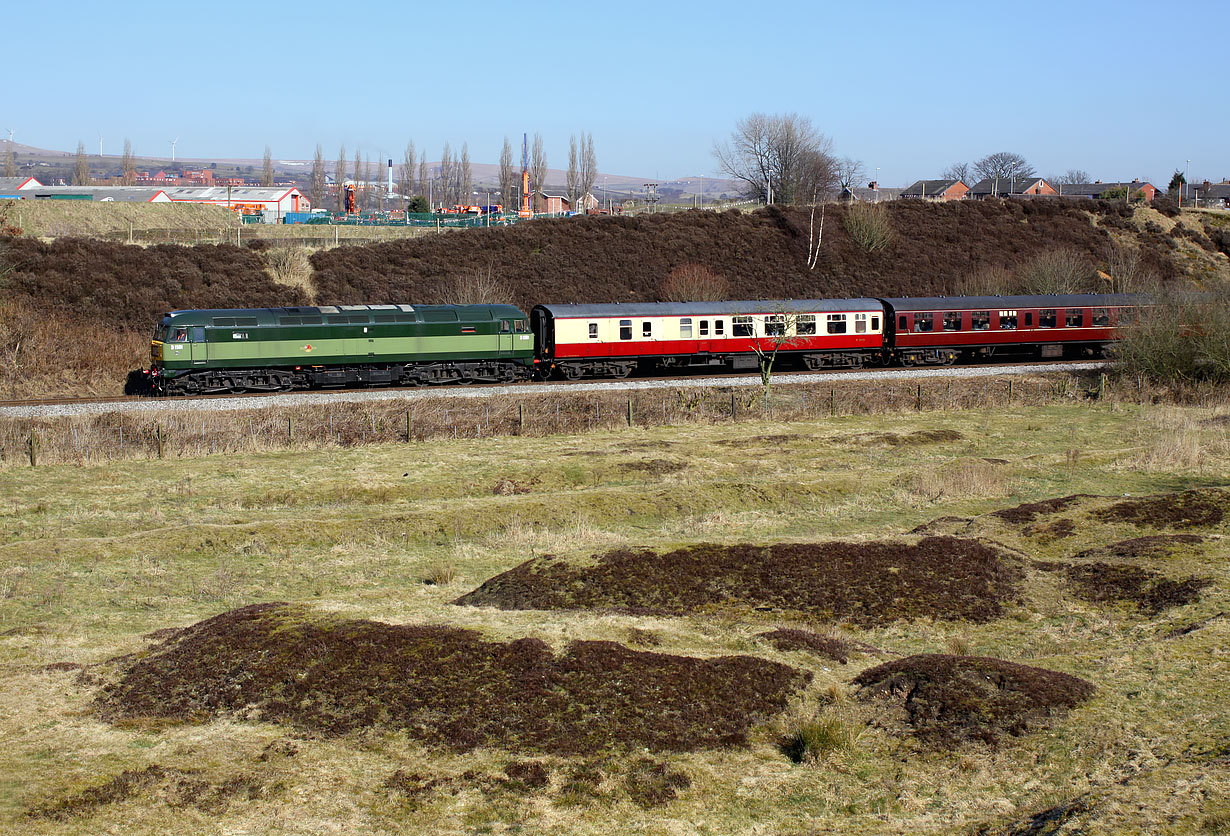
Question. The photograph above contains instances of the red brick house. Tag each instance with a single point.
(937, 190)
(1009, 187)
(1095, 191)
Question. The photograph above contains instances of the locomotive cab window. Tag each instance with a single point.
(521, 326)
(1075, 318)
(1046, 318)
(741, 326)
(924, 322)
(593, 330)
(704, 327)
(685, 328)
(176, 335)
(625, 329)
(775, 325)
(1101, 317)
(806, 325)
(952, 320)
(505, 326)
(197, 334)
(980, 320)
(836, 323)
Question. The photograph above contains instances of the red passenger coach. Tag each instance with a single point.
(612, 340)
(939, 330)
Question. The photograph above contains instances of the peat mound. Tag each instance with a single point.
(1151, 591)
(445, 686)
(1154, 545)
(178, 788)
(1030, 511)
(830, 647)
(866, 584)
(1188, 509)
(947, 700)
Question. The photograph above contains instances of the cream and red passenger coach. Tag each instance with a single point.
(612, 340)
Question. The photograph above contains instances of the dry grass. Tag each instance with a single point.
(95, 555)
(288, 264)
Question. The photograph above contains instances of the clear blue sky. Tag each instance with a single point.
(1120, 88)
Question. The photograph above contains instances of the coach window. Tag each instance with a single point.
(719, 327)
(1046, 318)
(775, 325)
(1101, 317)
(875, 324)
(860, 323)
(806, 325)
(625, 329)
(704, 327)
(924, 322)
(685, 328)
(1075, 318)
(952, 320)
(903, 323)
(593, 330)
(741, 326)
(1007, 320)
(646, 329)
(980, 320)
(836, 323)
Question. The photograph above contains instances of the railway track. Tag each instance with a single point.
(54, 407)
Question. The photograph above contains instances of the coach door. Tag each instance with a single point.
(200, 348)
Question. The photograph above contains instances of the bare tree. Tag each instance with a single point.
(10, 162)
(424, 180)
(360, 185)
(694, 283)
(958, 171)
(339, 176)
(367, 181)
(781, 158)
(1074, 176)
(267, 168)
(445, 181)
(81, 168)
(316, 188)
(465, 174)
(589, 166)
(571, 176)
(1005, 167)
(128, 168)
(538, 167)
(850, 172)
(780, 331)
(405, 185)
(508, 177)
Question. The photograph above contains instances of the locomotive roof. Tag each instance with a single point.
(204, 316)
(965, 303)
(753, 306)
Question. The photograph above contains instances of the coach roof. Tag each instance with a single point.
(979, 303)
(762, 306)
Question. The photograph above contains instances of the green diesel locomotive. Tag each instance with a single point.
(277, 349)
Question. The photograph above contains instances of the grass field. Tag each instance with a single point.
(96, 557)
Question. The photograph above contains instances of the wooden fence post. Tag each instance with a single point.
(521, 415)
(158, 436)
(33, 445)
(733, 407)
(290, 429)
(1010, 391)
(832, 401)
(629, 412)
(1102, 386)
(918, 399)
(409, 427)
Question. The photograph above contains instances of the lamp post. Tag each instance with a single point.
(877, 184)
(604, 203)
(1183, 186)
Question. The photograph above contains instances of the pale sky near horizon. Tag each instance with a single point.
(1120, 89)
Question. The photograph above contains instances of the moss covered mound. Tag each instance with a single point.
(1154, 545)
(1030, 511)
(866, 584)
(446, 686)
(1189, 509)
(1151, 591)
(947, 700)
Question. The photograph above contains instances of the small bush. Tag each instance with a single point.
(694, 283)
(815, 739)
(869, 225)
(1060, 270)
(440, 574)
(1181, 338)
(289, 265)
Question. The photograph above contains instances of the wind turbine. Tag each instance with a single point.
(100, 139)
(173, 141)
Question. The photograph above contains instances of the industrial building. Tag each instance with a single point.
(276, 200)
